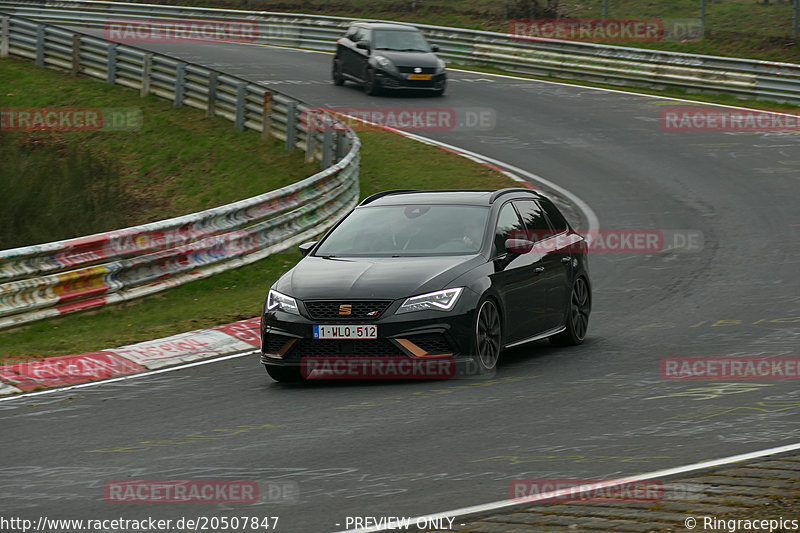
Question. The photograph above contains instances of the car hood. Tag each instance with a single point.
(379, 278)
(410, 59)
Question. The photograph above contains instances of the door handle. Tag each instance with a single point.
(566, 259)
(538, 270)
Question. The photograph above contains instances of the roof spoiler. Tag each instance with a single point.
(497, 194)
(377, 195)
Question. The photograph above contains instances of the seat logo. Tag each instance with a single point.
(417, 70)
(345, 310)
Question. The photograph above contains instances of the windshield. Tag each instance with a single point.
(407, 230)
(402, 41)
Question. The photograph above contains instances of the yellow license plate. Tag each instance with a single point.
(419, 76)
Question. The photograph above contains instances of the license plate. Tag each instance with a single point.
(345, 332)
(419, 76)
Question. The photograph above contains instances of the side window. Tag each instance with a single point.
(557, 220)
(351, 32)
(536, 227)
(509, 226)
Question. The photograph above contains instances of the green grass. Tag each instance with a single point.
(741, 28)
(388, 161)
(177, 163)
(55, 191)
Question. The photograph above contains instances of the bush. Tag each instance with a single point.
(54, 189)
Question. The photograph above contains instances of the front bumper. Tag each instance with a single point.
(287, 339)
(395, 80)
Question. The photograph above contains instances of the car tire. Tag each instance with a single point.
(338, 79)
(372, 87)
(488, 336)
(284, 374)
(580, 305)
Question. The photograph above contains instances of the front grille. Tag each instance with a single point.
(331, 347)
(410, 70)
(433, 343)
(359, 309)
(422, 84)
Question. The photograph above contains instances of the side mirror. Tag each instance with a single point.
(519, 246)
(363, 45)
(434, 48)
(306, 247)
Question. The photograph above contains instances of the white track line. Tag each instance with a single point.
(591, 217)
(619, 91)
(464, 512)
(129, 376)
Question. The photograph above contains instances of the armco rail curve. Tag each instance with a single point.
(616, 65)
(87, 272)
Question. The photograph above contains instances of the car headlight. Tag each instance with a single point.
(281, 302)
(437, 301)
(384, 63)
(440, 65)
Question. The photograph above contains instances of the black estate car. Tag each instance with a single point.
(423, 276)
(388, 56)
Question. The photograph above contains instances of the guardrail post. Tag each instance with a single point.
(180, 79)
(291, 125)
(311, 143)
(76, 54)
(327, 148)
(340, 145)
(147, 70)
(40, 45)
(211, 100)
(266, 116)
(4, 35)
(111, 64)
(241, 103)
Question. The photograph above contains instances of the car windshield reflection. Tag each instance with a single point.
(407, 230)
(400, 41)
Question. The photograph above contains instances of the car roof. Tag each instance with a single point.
(386, 26)
(484, 197)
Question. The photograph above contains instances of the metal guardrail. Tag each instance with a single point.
(616, 65)
(87, 272)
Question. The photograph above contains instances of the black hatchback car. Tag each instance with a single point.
(421, 276)
(388, 56)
